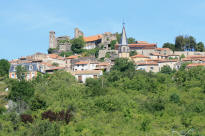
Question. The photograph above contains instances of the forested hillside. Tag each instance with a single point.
(123, 102)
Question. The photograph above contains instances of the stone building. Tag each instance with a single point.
(123, 48)
(52, 40)
(31, 70)
(78, 33)
(99, 40)
(61, 44)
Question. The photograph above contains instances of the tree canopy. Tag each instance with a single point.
(4, 67)
(114, 104)
(187, 43)
(77, 45)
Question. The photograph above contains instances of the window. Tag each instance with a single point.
(95, 76)
(33, 74)
(123, 49)
(14, 68)
(80, 79)
(12, 75)
(151, 68)
(30, 67)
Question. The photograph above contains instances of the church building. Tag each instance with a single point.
(123, 48)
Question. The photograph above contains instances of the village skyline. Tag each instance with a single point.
(36, 18)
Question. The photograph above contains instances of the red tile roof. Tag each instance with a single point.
(196, 64)
(196, 56)
(142, 42)
(53, 56)
(73, 57)
(92, 38)
(81, 62)
(147, 63)
(160, 49)
(85, 72)
(144, 46)
(47, 64)
(139, 56)
(104, 64)
(55, 68)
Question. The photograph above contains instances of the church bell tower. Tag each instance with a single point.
(124, 50)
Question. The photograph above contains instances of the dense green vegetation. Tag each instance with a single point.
(77, 45)
(185, 43)
(4, 67)
(123, 102)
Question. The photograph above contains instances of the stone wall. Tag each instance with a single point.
(78, 33)
(188, 53)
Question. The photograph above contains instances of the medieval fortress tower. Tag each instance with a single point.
(62, 43)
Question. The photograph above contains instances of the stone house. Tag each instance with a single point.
(81, 76)
(105, 66)
(61, 44)
(85, 65)
(139, 57)
(99, 40)
(31, 70)
(148, 66)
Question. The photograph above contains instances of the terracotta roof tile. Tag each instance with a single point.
(196, 64)
(55, 68)
(73, 57)
(53, 56)
(139, 56)
(47, 64)
(81, 62)
(196, 56)
(104, 64)
(92, 38)
(83, 72)
(147, 63)
(160, 49)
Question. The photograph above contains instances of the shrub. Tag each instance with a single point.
(26, 118)
(175, 98)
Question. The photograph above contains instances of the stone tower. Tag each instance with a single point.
(78, 33)
(124, 47)
(52, 40)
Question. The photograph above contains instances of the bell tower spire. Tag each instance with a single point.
(123, 46)
(124, 36)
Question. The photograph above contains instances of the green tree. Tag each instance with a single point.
(131, 40)
(4, 67)
(200, 47)
(112, 44)
(77, 45)
(52, 50)
(175, 98)
(133, 53)
(21, 90)
(166, 69)
(123, 64)
(169, 45)
(180, 43)
(55, 64)
(191, 42)
(21, 72)
(66, 54)
(45, 128)
(185, 42)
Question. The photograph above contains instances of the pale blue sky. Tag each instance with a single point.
(25, 24)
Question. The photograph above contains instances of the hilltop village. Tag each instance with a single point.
(106, 84)
(88, 57)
